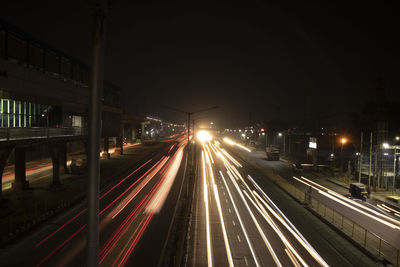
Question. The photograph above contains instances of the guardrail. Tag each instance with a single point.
(7, 134)
(371, 242)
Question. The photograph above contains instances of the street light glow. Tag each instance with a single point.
(204, 136)
(385, 145)
(279, 134)
(343, 140)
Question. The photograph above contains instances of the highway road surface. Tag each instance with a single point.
(383, 223)
(236, 223)
(135, 215)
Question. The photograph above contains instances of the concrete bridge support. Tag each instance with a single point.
(119, 146)
(4, 154)
(59, 160)
(20, 182)
(106, 154)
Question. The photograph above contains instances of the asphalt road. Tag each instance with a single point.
(235, 224)
(240, 218)
(135, 215)
(380, 222)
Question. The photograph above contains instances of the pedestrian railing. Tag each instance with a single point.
(7, 134)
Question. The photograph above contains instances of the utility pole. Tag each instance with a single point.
(100, 15)
(360, 159)
(394, 169)
(370, 160)
(188, 128)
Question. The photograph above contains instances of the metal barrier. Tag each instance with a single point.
(371, 242)
(7, 134)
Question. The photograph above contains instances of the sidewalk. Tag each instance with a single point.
(27, 208)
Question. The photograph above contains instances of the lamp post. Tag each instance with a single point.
(394, 169)
(387, 146)
(360, 158)
(343, 141)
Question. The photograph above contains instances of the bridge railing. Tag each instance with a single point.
(7, 134)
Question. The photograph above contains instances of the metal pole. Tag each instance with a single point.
(189, 128)
(360, 159)
(193, 128)
(394, 170)
(370, 160)
(94, 135)
(284, 143)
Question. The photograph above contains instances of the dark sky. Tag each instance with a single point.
(255, 57)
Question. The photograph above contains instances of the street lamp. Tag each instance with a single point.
(343, 141)
(387, 146)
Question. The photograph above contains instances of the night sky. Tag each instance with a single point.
(255, 58)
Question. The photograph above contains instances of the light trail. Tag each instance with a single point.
(154, 189)
(60, 246)
(161, 195)
(209, 153)
(396, 212)
(351, 201)
(299, 238)
(231, 158)
(139, 188)
(143, 205)
(273, 225)
(232, 171)
(240, 221)
(262, 234)
(115, 237)
(287, 223)
(130, 187)
(221, 217)
(126, 177)
(208, 234)
(229, 141)
(82, 211)
(351, 204)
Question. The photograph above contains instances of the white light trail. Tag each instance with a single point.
(287, 223)
(352, 201)
(273, 225)
(208, 234)
(299, 238)
(229, 141)
(270, 248)
(240, 221)
(351, 204)
(221, 217)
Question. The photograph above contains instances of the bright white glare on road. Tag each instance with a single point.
(204, 136)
